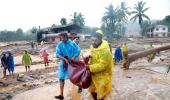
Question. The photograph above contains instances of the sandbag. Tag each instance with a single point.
(78, 74)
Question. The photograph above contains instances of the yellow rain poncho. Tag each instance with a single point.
(100, 67)
(125, 51)
(26, 59)
(152, 55)
(99, 31)
(125, 48)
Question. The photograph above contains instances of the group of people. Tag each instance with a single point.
(100, 64)
(27, 60)
(34, 44)
(7, 63)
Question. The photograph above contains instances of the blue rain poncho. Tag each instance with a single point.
(118, 55)
(69, 49)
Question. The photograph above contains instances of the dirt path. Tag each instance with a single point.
(45, 93)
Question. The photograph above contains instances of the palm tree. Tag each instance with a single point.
(122, 16)
(74, 19)
(139, 11)
(78, 19)
(63, 21)
(114, 19)
(109, 19)
(81, 19)
(123, 12)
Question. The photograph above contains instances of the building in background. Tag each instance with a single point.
(160, 31)
(51, 33)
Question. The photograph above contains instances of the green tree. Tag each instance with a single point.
(139, 12)
(63, 21)
(123, 12)
(89, 30)
(114, 19)
(122, 16)
(34, 30)
(146, 26)
(109, 20)
(19, 31)
(166, 21)
(78, 19)
(18, 34)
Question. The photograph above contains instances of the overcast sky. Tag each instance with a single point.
(28, 13)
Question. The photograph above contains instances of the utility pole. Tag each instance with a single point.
(39, 28)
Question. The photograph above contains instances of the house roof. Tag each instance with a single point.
(60, 28)
(160, 26)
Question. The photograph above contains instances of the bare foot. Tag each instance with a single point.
(3, 77)
(12, 77)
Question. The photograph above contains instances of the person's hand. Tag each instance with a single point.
(66, 60)
(88, 67)
(87, 59)
(73, 58)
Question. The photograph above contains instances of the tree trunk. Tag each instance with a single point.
(134, 56)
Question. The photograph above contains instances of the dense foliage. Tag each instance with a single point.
(15, 35)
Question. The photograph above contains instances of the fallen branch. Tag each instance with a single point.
(134, 56)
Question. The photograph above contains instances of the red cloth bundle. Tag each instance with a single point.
(78, 73)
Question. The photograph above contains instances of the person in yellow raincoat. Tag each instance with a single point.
(125, 55)
(152, 55)
(100, 66)
(101, 32)
(26, 60)
(125, 50)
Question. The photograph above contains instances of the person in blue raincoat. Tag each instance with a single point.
(10, 59)
(4, 63)
(118, 55)
(65, 48)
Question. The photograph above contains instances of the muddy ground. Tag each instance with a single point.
(143, 81)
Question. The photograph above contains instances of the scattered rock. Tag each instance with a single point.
(42, 77)
(24, 78)
(35, 76)
(24, 85)
(30, 86)
(34, 85)
(2, 84)
(48, 82)
(56, 81)
(128, 77)
(5, 96)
